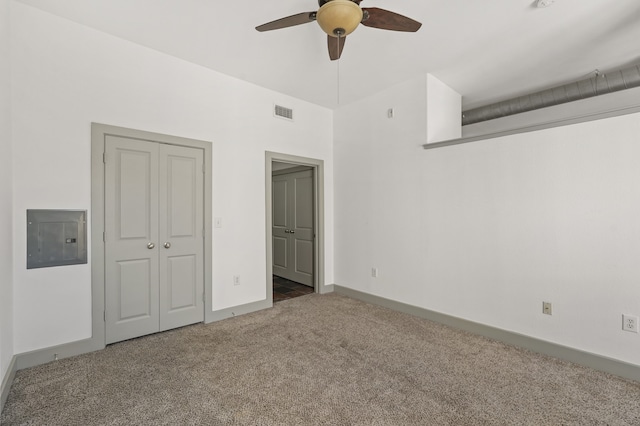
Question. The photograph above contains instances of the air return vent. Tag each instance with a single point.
(283, 112)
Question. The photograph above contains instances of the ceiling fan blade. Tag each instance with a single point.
(386, 20)
(289, 21)
(336, 44)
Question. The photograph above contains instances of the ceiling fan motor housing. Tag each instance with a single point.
(323, 2)
(339, 18)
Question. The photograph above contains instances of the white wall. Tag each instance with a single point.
(379, 208)
(6, 237)
(67, 76)
(487, 231)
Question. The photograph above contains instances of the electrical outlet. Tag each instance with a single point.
(236, 280)
(374, 272)
(630, 323)
(546, 308)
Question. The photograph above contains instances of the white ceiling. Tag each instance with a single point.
(486, 50)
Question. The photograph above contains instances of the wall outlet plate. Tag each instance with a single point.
(546, 308)
(630, 323)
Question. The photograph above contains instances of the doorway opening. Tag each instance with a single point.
(295, 224)
(292, 230)
(284, 289)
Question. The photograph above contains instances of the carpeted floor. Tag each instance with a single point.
(318, 360)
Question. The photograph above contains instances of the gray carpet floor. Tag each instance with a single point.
(318, 360)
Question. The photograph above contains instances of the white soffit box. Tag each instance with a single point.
(595, 108)
(444, 109)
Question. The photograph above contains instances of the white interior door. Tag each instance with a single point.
(181, 236)
(131, 236)
(280, 231)
(293, 219)
(153, 237)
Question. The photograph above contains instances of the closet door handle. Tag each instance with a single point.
(291, 231)
(150, 246)
(167, 245)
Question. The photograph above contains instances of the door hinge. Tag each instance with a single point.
(202, 297)
(104, 314)
(202, 168)
(104, 157)
(104, 237)
(203, 233)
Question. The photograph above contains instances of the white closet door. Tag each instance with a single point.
(131, 238)
(154, 272)
(181, 236)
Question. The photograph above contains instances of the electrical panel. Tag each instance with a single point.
(56, 238)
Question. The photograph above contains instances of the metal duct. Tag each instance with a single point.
(599, 84)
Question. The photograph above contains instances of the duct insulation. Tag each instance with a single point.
(597, 85)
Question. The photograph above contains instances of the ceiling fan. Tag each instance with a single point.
(339, 18)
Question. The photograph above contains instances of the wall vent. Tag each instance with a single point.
(283, 112)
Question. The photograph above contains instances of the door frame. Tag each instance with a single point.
(98, 134)
(319, 284)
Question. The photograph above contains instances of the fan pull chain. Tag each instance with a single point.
(338, 61)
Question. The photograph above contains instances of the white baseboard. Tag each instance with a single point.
(237, 310)
(329, 288)
(7, 381)
(597, 362)
(66, 350)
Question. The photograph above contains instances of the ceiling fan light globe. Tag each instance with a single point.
(339, 17)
